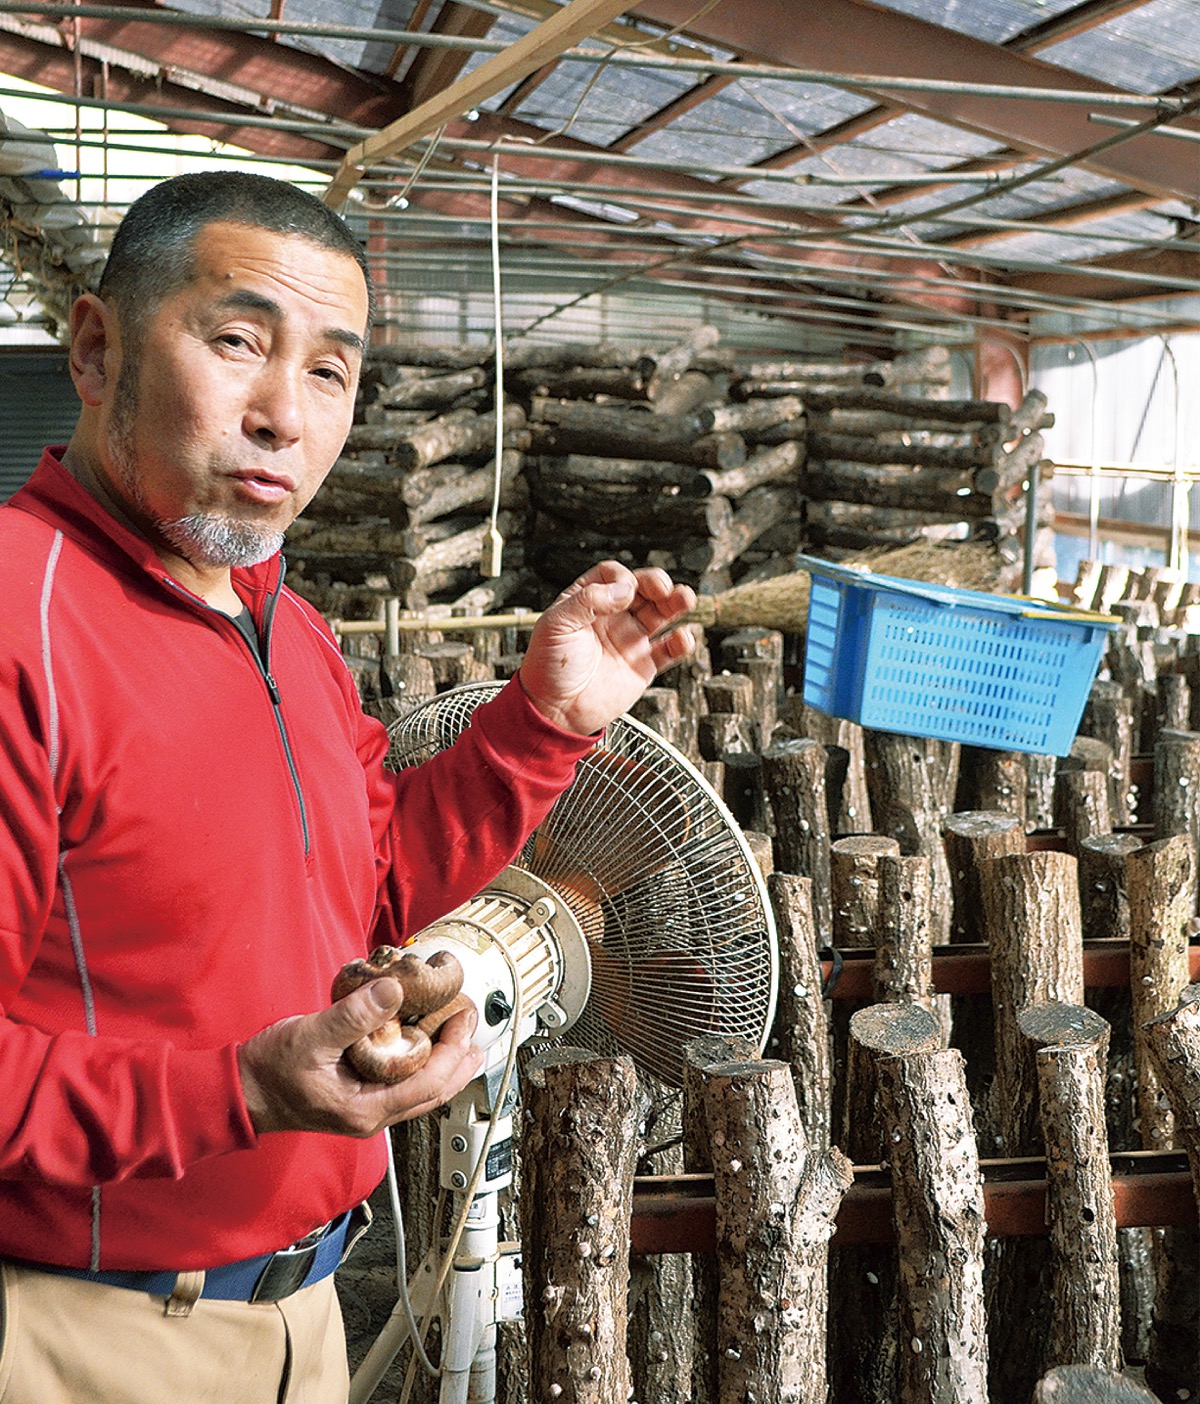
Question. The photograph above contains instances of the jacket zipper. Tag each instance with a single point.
(263, 665)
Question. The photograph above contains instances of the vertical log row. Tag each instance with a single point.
(1085, 1319)
(1031, 906)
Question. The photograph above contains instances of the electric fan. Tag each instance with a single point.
(634, 919)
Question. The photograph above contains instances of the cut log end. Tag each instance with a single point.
(1062, 1025)
(896, 1030)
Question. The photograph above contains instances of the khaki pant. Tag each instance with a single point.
(67, 1341)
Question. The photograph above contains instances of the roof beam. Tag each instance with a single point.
(432, 70)
(521, 158)
(1080, 19)
(402, 51)
(162, 58)
(669, 112)
(854, 36)
(1065, 217)
(526, 88)
(1085, 283)
(1071, 22)
(576, 20)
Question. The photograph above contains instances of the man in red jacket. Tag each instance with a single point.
(198, 829)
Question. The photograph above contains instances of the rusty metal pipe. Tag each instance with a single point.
(677, 1213)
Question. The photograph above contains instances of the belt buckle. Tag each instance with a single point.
(285, 1271)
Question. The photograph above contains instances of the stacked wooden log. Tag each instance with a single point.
(883, 467)
(711, 472)
(406, 510)
(715, 469)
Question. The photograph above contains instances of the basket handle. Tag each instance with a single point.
(1044, 609)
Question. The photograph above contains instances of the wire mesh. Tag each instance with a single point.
(657, 873)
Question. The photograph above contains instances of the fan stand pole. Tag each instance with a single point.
(469, 1315)
(483, 1283)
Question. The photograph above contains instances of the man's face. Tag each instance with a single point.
(236, 396)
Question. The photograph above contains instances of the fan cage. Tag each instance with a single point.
(661, 880)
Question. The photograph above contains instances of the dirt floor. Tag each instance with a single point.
(366, 1286)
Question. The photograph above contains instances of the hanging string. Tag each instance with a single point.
(493, 542)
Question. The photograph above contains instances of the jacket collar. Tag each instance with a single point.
(55, 497)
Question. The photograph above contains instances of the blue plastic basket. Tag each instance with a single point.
(955, 665)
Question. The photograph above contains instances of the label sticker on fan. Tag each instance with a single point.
(499, 1160)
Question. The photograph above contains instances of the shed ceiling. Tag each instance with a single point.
(946, 168)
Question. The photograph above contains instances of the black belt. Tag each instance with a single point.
(267, 1278)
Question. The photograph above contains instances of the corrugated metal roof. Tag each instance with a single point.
(994, 20)
(731, 142)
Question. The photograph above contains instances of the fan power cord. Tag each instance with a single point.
(836, 965)
(403, 1297)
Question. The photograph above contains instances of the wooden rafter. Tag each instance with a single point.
(573, 22)
(402, 51)
(434, 70)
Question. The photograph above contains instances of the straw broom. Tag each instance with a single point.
(780, 602)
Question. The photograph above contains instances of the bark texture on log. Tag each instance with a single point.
(1173, 1362)
(971, 836)
(801, 1029)
(794, 779)
(1082, 805)
(904, 950)
(1031, 905)
(1161, 878)
(577, 426)
(1108, 715)
(879, 1030)
(1090, 1384)
(937, 1197)
(1085, 1310)
(1031, 916)
(579, 1149)
(863, 1333)
(776, 1200)
(912, 782)
(1177, 785)
(658, 708)
(992, 780)
(1103, 888)
(852, 814)
(854, 885)
(699, 1054)
(1173, 1039)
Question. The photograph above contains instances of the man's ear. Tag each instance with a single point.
(95, 348)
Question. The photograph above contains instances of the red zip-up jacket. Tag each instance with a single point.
(190, 848)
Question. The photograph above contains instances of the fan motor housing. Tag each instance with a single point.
(525, 960)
